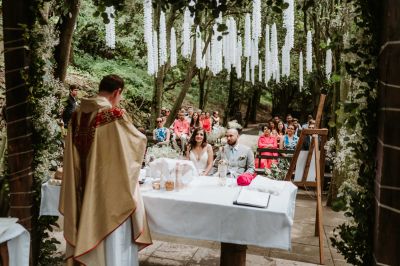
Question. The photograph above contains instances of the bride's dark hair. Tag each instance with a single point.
(192, 141)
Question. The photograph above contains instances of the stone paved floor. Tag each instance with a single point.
(305, 251)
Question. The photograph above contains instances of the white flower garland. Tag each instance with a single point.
(274, 54)
(163, 40)
(110, 27)
(285, 61)
(247, 78)
(199, 52)
(288, 24)
(301, 71)
(173, 58)
(328, 61)
(309, 53)
(260, 71)
(256, 20)
(247, 36)
(155, 52)
(267, 59)
(238, 63)
(148, 21)
(150, 56)
(216, 51)
(186, 33)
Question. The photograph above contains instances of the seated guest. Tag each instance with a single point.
(161, 134)
(240, 158)
(289, 120)
(297, 128)
(215, 119)
(281, 131)
(195, 122)
(206, 121)
(181, 131)
(305, 125)
(271, 125)
(307, 140)
(165, 113)
(267, 141)
(200, 152)
(289, 141)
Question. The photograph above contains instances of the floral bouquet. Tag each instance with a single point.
(216, 135)
(234, 124)
(278, 171)
(163, 151)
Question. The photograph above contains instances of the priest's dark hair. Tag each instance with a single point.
(111, 83)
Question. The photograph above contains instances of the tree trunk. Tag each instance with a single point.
(16, 15)
(202, 90)
(66, 27)
(230, 105)
(255, 102)
(191, 71)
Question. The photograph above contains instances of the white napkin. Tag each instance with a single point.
(265, 184)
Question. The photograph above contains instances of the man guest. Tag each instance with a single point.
(104, 216)
(240, 158)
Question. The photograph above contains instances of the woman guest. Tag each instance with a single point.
(161, 134)
(195, 122)
(289, 141)
(206, 121)
(280, 131)
(215, 119)
(200, 152)
(267, 141)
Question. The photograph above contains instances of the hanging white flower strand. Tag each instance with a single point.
(186, 33)
(328, 61)
(173, 58)
(163, 40)
(238, 63)
(301, 71)
(309, 53)
(285, 61)
(247, 78)
(247, 36)
(267, 59)
(260, 71)
(110, 27)
(150, 58)
(148, 21)
(256, 22)
(216, 51)
(155, 52)
(288, 24)
(199, 51)
(274, 54)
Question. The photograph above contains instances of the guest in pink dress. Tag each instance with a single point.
(267, 141)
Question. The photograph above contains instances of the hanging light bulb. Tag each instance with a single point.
(301, 71)
(328, 61)
(309, 53)
(110, 27)
(173, 48)
(163, 40)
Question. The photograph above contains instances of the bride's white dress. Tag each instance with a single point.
(200, 163)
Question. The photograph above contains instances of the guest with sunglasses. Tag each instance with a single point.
(161, 134)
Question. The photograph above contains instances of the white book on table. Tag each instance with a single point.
(252, 198)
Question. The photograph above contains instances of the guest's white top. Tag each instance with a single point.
(200, 162)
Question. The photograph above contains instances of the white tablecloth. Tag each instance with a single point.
(206, 211)
(18, 241)
(50, 197)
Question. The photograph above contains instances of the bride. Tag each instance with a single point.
(200, 152)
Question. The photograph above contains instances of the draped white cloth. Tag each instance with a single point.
(205, 211)
(18, 241)
(50, 196)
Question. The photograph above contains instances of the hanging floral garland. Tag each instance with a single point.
(173, 58)
(187, 24)
(247, 36)
(260, 71)
(199, 52)
(274, 54)
(267, 59)
(309, 53)
(328, 61)
(238, 64)
(155, 52)
(148, 21)
(301, 71)
(110, 27)
(256, 22)
(247, 78)
(163, 40)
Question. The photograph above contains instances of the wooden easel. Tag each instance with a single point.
(317, 134)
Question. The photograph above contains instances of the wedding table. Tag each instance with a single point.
(17, 239)
(205, 210)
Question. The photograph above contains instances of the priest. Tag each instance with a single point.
(104, 216)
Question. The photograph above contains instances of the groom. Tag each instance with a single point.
(238, 156)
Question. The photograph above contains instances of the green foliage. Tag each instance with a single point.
(355, 240)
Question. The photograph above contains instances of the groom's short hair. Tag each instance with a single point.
(111, 83)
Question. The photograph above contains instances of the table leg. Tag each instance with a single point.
(233, 254)
(4, 254)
